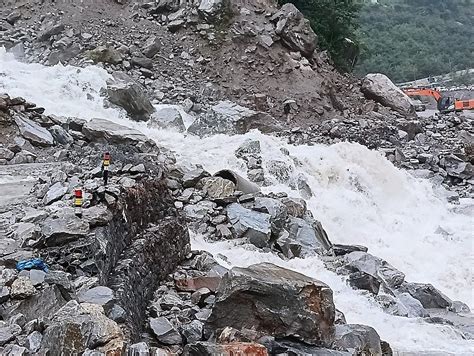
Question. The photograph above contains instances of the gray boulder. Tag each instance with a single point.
(54, 193)
(165, 332)
(75, 328)
(275, 301)
(374, 266)
(104, 131)
(225, 117)
(34, 133)
(249, 147)
(63, 229)
(97, 215)
(128, 94)
(33, 341)
(48, 300)
(252, 225)
(379, 87)
(294, 30)
(139, 349)
(428, 295)
(277, 210)
(99, 295)
(167, 118)
(360, 339)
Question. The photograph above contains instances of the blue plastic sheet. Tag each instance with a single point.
(33, 263)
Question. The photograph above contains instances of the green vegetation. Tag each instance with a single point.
(411, 39)
(334, 21)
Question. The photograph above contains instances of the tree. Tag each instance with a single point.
(335, 23)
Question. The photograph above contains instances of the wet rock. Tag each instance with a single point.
(165, 332)
(167, 118)
(277, 210)
(361, 338)
(128, 94)
(105, 55)
(75, 328)
(192, 331)
(218, 188)
(54, 193)
(22, 288)
(99, 295)
(362, 280)
(235, 348)
(428, 295)
(413, 306)
(252, 225)
(249, 147)
(374, 266)
(341, 250)
(275, 301)
(34, 133)
(380, 88)
(63, 229)
(295, 30)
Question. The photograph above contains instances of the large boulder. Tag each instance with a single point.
(78, 327)
(226, 117)
(428, 295)
(33, 132)
(105, 131)
(128, 94)
(362, 339)
(252, 225)
(218, 188)
(65, 228)
(359, 261)
(167, 118)
(294, 30)
(380, 88)
(456, 167)
(275, 301)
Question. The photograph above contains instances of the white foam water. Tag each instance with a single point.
(359, 197)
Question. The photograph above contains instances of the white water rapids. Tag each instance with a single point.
(359, 197)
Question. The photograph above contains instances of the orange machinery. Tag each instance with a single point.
(444, 103)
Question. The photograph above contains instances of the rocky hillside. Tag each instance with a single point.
(95, 217)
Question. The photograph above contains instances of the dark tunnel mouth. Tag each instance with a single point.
(226, 174)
